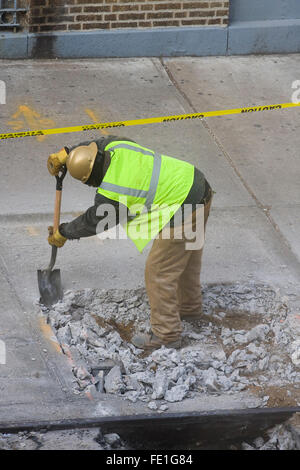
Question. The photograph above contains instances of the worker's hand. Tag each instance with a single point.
(56, 239)
(57, 160)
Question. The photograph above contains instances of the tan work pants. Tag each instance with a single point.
(172, 278)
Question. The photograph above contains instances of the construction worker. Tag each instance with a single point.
(125, 175)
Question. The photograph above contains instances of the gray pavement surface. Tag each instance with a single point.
(250, 160)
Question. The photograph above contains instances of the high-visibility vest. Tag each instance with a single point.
(152, 186)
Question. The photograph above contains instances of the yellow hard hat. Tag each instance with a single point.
(81, 161)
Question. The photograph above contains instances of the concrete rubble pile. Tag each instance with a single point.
(282, 437)
(74, 439)
(248, 337)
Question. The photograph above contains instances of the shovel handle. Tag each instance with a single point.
(58, 194)
(56, 220)
(57, 209)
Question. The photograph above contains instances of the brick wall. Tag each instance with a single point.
(70, 15)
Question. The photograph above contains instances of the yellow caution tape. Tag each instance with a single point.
(140, 122)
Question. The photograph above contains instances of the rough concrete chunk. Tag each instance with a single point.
(152, 405)
(163, 407)
(210, 379)
(112, 439)
(258, 333)
(176, 393)
(160, 385)
(295, 356)
(113, 381)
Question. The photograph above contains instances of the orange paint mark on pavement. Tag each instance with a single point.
(96, 120)
(69, 355)
(49, 335)
(33, 231)
(27, 117)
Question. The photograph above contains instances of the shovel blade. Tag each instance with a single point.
(50, 286)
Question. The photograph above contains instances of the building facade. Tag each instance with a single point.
(125, 28)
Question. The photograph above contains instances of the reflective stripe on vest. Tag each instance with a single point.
(150, 194)
(123, 190)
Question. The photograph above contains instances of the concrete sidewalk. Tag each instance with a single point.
(251, 162)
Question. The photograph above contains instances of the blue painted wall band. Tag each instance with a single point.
(253, 37)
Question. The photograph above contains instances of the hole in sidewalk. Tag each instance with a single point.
(125, 331)
(247, 340)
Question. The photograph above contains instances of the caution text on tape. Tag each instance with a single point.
(139, 122)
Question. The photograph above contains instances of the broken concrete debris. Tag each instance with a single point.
(73, 439)
(160, 385)
(281, 437)
(285, 436)
(113, 440)
(113, 382)
(177, 393)
(247, 339)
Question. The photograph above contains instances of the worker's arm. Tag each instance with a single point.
(86, 224)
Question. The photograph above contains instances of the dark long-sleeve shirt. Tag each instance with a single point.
(86, 224)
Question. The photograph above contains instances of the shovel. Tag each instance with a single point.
(49, 280)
